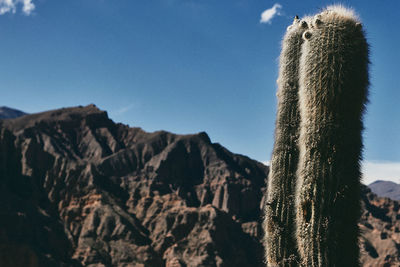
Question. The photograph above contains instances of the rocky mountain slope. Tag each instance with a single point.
(380, 230)
(77, 189)
(386, 189)
(104, 194)
(9, 113)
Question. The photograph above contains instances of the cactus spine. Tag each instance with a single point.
(279, 239)
(329, 71)
(332, 94)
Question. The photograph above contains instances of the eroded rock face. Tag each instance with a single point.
(124, 197)
(80, 190)
(380, 228)
(31, 233)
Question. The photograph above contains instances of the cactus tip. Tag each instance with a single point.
(342, 11)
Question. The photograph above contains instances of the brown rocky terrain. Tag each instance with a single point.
(380, 230)
(77, 189)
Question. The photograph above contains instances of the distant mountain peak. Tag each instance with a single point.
(10, 113)
(386, 189)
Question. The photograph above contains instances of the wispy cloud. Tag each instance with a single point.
(124, 109)
(380, 170)
(270, 13)
(10, 6)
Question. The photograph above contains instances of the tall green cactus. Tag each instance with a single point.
(329, 70)
(333, 91)
(279, 239)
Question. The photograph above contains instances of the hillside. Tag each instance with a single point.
(78, 189)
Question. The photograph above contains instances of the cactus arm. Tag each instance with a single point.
(333, 82)
(279, 228)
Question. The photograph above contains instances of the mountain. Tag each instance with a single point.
(77, 189)
(386, 189)
(104, 194)
(9, 113)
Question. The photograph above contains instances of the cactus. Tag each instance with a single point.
(279, 240)
(322, 91)
(333, 82)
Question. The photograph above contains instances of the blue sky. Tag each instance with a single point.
(185, 66)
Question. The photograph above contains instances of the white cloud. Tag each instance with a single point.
(28, 7)
(266, 162)
(10, 6)
(269, 14)
(380, 170)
